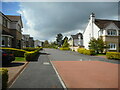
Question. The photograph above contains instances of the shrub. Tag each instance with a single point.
(29, 56)
(16, 52)
(4, 77)
(113, 55)
(65, 48)
(32, 49)
(81, 50)
(86, 52)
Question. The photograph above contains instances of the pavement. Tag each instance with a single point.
(14, 69)
(38, 74)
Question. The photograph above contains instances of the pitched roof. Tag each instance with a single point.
(76, 36)
(14, 18)
(101, 23)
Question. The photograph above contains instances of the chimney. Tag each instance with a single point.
(92, 17)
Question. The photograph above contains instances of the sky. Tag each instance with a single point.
(43, 20)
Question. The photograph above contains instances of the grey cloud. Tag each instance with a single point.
(61, 17)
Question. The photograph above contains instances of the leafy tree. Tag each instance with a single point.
(65, 44)
(97, 44)
(59, 39)
(46, 43)
(53, 45)
(65, 38)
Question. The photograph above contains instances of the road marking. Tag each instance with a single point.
(81, 60)
(46, 63)
(89, 60)
(61, 81)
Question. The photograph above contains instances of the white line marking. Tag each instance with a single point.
(80, 59)
(46, 63)
(63, 84)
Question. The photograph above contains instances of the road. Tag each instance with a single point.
(41, 74)
(58, 55)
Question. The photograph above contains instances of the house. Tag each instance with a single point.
(38, 43)
(11, 30)
(109, 30)
(76, 41)
(27, 41)
(31, 42)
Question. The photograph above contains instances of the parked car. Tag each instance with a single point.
(7, 56)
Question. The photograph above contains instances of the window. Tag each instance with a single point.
(112, 46)
(9, 42)
(3, 41)
(111, 32)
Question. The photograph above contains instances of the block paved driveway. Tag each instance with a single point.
(82, 71)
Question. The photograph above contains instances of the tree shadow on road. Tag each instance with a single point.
(44, 53)
(13, 64)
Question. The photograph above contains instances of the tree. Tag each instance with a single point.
(65, 38)
(59, 39)
(97, 44)
(46, 44)
(65, 44)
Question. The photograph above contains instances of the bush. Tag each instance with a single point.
(29, 56)
(113, 55)
(32, 49)
(65, 48)
(86, 52)
(16, 52)
(81, 50)
(4, 77)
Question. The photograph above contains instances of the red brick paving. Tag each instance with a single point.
(88, 74)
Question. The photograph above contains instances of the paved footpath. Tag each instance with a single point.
(38, 74)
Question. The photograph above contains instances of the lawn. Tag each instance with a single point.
(20, 59)
(101, 54)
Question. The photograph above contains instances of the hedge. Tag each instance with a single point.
(32, 49)
(85, 51)
(30, 56)
(4, 77)
(65, 48)
(113, 55)
(16, 52)
(81, 50)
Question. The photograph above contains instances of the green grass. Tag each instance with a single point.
(20, 59)
(101, 54)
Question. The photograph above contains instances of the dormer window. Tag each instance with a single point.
(111, 32)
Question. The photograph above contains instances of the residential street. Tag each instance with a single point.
(58, 55)
(40, 74)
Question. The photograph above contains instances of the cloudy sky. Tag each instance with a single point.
(43, 20)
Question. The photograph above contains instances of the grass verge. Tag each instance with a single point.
(20, 59)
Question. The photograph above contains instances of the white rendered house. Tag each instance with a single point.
(109, 30)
